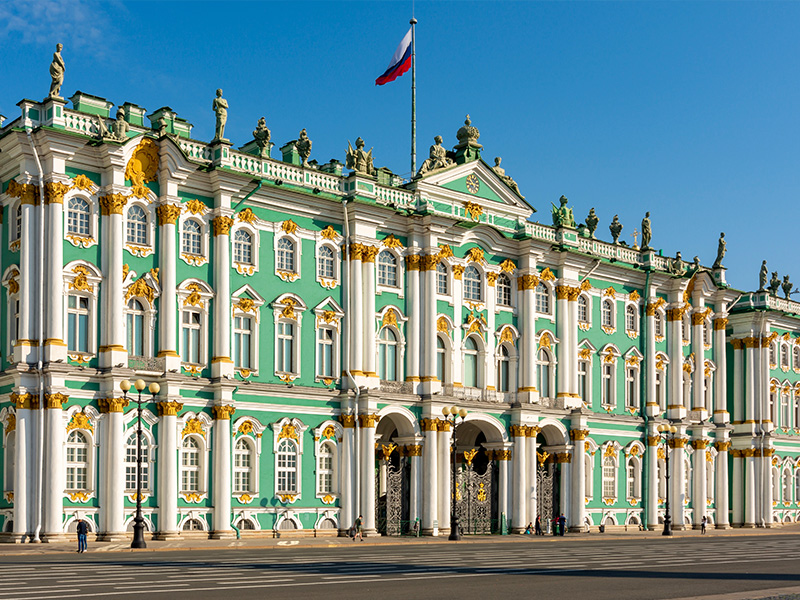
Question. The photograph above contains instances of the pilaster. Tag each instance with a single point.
(168, 469)
(112, 335)
(221, 363)
(222, 470)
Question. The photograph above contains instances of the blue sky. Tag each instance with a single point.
(688, 110)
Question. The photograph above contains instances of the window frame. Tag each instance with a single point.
(443, 276)
(145, 226)
(88, 463)
(473, 284)
(250, 470)
(504, 291)
(609, 477)
(201, 468)
(543, 301)
(385, 271)
(147, 460)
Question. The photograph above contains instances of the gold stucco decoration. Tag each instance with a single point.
(610, 292)
(442, 325)
(289, 431)
(392, 242)
(329, 432)
(652, 307)
(78, 497)
(544, 340)
(247, 216)
(80, 421)
(54, 192)
(473, 210)
(508, 266)
(585, 353)
(193, 425)
(222, 225)
(26, 192)
(168, 214)
(169, 409)
(329, 233)
(112, 204)
(245, 427)
(142, 167)
(389, 318)
(81, 282)
(507, 335)
(547, 275)
(222, 413)
(445, 251)
(458, 271)
(11, 422)
(476, 255)
(469, 455)
(610, 451)
(83, 183)
(141, 289)
(245, 305)
(196, 207)
(194, 298)
(633, 296)
(288, 308)
(289, 226)
(527, 282)
(245, 499)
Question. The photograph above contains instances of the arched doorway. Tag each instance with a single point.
(549, 454)
(393, 476)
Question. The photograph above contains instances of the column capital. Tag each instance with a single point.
(25, 401)
(169, 409)
(223, 413)
(55, 400)
(54, 192)
(458, 271)
(653, 440)
(578, 434)
(168, 214)
(518, 430)
(651, 307)
(428, 262)
(222, 225)
(347, 421)
(722, 446)
(443, 424)
(368, 421)
(527, 282)
(428, 425)
(720, 323)
(112, 405)
(533, 431)
(112, 204)
(563, 457)
(414, 450)
(412, 262)
(368, 253)
(699, 444)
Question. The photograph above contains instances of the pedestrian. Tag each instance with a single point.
(529, 529)
(555, 526)
(539, 525)
(358, 525)
(82, 530)
(703, 524)
(562, 524)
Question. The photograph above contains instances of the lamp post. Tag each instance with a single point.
(451, 414)
(138, 521)
(667, 432)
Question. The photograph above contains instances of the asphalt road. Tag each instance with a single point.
(569, 569)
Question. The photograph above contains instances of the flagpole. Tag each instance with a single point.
(413, 98)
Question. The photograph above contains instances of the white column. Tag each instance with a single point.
(749, 488)
(699, 492)
(357, 315)
(112, 334)
(414, 324)
(491, 339)
(430, 502)
(368, 293)
(677, 476)
(25, 349)
(766, 486)
(502, 457)
(572, 307)
(415, 487)
(114, 508)
(367, 424)
(721, 483)
(737, 486)
(562, 329)
(430, 383)
(532, 470)
(749, 382)
(347, 474)
(55, 348)
(526, 284)
(54, 472)
(652, 408)
(697, 402)
(564, 488)
(24, 460)
(651, 464)
(445, 474)
(519, 514)
(675, 403)
(221, 363)
(222, 471)
(168, 470)
(738, 381)
(721, 415)
(168, 300)
(458, 330)
(578, 502)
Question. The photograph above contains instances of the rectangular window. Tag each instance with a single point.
(190, 348)
(582, 378)
(285, 347)
(630, 388)
(242, 342)
(660, 390)
(78, 323)
(325, 352)
(606, 388)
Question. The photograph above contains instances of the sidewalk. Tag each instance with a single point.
(251, 543)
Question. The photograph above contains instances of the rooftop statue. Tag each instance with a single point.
(615, 228)
(676, 266)
(696, 264)
(261, 135)
(762, 277)
(786, 286)
(562, 215)
(220, 108)
(438, 158)
(647, 232)
(358, 160)
(303, 145)
(591, 222)
(468, 135)
(501, 173)
(57, 69)
(119, 130)
(720, 252)
(774, 284)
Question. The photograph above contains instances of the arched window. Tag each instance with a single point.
(632, 474)
(77, 323)
(772, 360)
(797, 484)
(773, 404)
(630, 318)
(796, 407)
(583, 309)
(786, 414)
(471, 378)
(503, 290)
(193, 525)
(287, 467)
(286, 255)
(662, 480)
(544, 373)
(686, 331)
(658, 319)
(387, 355)
(442, 286)
(243, 463)
(190, 465)
(542, 299)
(660, 395)
(285, 357)
(607, 313)
(325, 263)
(472, 284)
(588, 462)
(326, 473)
(137, 225)
(776, 485)
(796, 357)
(787, 485)
(784, 356)
(243, 247)
(77, 217)
(16, 232)
(77, 461)
(441, 357)
(710, 479)
(242, 342)
(136, 329)
(190, 328)
(10, 456)
(708, 390)
(503, 370)
(130, 463)
(607, 396)
(631, 387)
(192, 238)
(609, 477)
(387, 269)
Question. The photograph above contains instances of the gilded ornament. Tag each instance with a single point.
(356, 251)
(112, 405)
(55, 400)
(347, 421)
(585, 353)
(508, 266)
(367, 420)
(142, 167)
(633, 296)
(328, 499)
(578, 434)
(245, 427)
(562, 291)
(610, 292)
(288, 308)
(544, 340)
(389, 318)
(247, 216)
(391, 242)
(289, 431)
(491, 278)
(473, 210)
(414, 450)
(192, 497)
(542, 457)
(54, 192)
(442, 325)
(79, 421)
(112, 204)
(609, 359)
(13, 286)
(429, 262)
(547, 275)
(518, 430)
(222, 225)
(443, 425)
(720, 324)
(193, 425)
(386, 450)
(329, 233)
(141, 289)
(412, 262)
(573, 293)
(169, 409)
(245, 305)
(287, 498)
(26, 192)
(563, 457)
(11, 422)
(368, 253)
(194, 298)
(469, 455)
(329, 432)
(698, 318)
(445, 251)
(196, 207)
(125, 270)
(328, 316)
(458, 271)
(501, 455)
(527, 282)
(507, 335)
(633, 361)
(83, 183)
(428, 425)
(650, 309)
(653, 440)
(661, 453)
(245, 499)
(610, 451)
(222, 413)
(475, 254)
(289, 226)
(78, 497)
(585, 285)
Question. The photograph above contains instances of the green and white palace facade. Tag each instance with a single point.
(307, 325)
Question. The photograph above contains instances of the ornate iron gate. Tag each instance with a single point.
(547, 490)
(393, 506)
(474, 498)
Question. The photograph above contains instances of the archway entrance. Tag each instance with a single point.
(392, 481)
(476, 493)
(549, 504)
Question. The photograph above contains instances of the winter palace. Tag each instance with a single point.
(308, 323)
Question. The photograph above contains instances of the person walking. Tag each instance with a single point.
(703, 524)
(82, 530)
(359, 525)
(539, 525)
(562, 525)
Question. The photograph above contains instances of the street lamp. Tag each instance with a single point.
(451, 414)
(667, 432)
(138, 521)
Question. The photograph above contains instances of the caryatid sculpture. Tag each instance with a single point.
(438, 158)
(57, 69)
(220, 108)
(358, 160)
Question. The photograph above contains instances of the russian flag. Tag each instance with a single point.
(401, 61)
